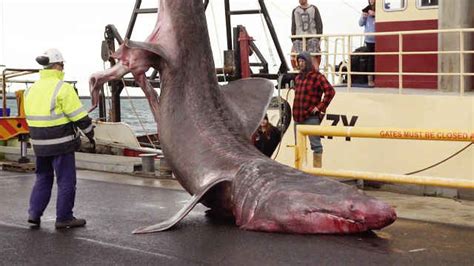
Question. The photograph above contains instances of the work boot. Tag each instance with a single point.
(35, 222)
(317, 160)
(71, 223)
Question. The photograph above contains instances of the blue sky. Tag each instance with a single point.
(76, 27)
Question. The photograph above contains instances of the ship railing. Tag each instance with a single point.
(339, 48)
(395, 133)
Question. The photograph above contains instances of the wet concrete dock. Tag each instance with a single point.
(431, 231)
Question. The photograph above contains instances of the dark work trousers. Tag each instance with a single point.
(65, 167)
(371, 63)
(314, 141)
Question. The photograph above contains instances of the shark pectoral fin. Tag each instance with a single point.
(167, 224)
(249, 99)
(150, 47)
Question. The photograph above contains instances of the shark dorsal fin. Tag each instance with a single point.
(249, 99)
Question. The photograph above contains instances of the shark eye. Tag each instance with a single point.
(351, 207)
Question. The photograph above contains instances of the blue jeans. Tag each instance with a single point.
(65, 167)
(315, 141)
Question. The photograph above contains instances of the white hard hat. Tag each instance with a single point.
(54, 56)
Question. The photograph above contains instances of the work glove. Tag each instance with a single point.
(90, 136)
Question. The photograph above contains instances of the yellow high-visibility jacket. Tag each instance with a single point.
(53, 113)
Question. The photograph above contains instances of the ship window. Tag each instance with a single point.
(423, 4)
(394, 5)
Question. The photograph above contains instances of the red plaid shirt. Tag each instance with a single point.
(309, 90)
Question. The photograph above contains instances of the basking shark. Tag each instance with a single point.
(205, 134)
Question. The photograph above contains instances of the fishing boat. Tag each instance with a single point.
(423, 100)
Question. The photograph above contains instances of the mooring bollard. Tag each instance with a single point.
(165, 169)
(148, 162)
(23, 148)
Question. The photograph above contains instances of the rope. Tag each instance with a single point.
(218, 43)
(137, 116)
(107, 96)
(281, 117)
(131, 104)
(358, 11)
(440, 162)
(269, 45)
(281, 10)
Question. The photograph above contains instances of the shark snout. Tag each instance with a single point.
(376, 214)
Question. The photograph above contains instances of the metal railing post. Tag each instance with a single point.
(326, 57)
(300, 149)
(349, 63)
(400, 63)
(336, 48)
(326, 51)
(461, 63)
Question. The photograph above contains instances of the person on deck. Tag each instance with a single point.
(367, 20)
(267, 137)
(306, 20)
(54, 113)
(309, 105)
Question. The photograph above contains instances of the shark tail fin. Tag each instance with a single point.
(147, 46)
(195, 199)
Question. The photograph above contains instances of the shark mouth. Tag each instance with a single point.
(317, 222)
(323, 222)
(328, 222)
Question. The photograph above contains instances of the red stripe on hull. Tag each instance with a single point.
(411, 63)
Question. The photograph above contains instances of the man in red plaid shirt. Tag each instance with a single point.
(309, 105)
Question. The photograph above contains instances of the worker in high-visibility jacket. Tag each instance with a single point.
(54, 113)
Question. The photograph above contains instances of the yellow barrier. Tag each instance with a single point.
(385, 133)
(393, 178)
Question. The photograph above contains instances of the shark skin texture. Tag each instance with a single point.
(205, 134)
